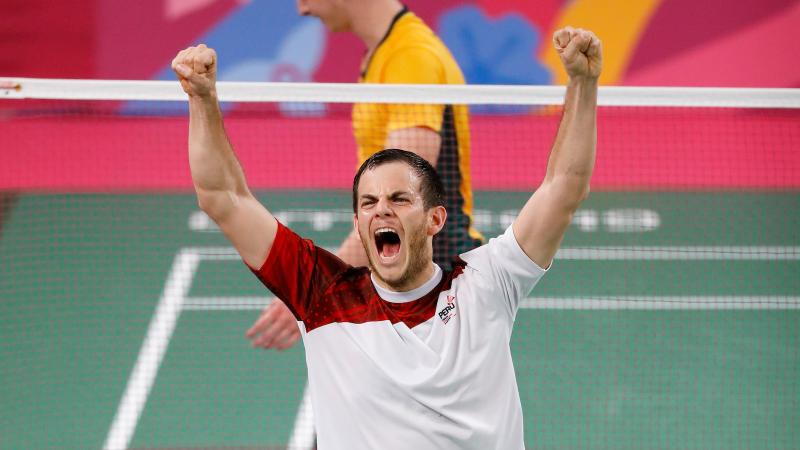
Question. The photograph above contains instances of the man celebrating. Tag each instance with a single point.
(405, 355)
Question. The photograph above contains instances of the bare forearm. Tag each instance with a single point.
(216, 172)
(571, 160)
(217, 176)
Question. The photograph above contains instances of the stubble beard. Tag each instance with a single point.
(418, 254)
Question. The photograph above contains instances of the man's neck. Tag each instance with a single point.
(413, 291)
(372, 20)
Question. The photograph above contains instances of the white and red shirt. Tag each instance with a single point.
(424, 369)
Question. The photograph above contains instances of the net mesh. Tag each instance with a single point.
(669, 319)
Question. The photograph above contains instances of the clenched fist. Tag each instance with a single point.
(581, 52)
(196, 68)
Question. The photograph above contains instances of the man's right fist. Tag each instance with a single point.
(196, 68)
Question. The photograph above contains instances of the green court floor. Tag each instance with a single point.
(670, 321)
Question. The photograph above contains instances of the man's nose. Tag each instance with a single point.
(384, 207)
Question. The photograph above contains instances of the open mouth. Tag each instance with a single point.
(387, 242)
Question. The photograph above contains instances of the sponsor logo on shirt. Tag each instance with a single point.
(449, 311)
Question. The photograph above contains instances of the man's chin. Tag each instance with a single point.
(395, 281)
(335, 27)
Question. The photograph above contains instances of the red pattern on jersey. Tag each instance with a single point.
(320, 289)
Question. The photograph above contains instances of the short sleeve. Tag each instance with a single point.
(297, 271)
(415, 65)
(504, 261)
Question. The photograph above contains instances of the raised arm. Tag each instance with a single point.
(218, 179)
(544, 219)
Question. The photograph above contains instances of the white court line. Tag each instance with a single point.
(681, 253)
(303, 435)
(637, 303)
(622, 302)
(152, 351)
(225, 303)
(156, 341)
(638, 253)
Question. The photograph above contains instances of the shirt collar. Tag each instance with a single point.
(414, 294)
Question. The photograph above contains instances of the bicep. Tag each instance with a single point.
(543, 221)
(249, 227)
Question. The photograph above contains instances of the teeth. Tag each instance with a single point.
(384, 230)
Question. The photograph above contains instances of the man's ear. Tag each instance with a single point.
(436, 219)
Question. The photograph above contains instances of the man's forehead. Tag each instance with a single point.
(392, 177)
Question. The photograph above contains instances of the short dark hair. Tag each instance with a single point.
(430, 183)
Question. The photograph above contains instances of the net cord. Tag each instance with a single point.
(62, 89)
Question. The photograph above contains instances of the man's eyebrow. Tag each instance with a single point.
(394, 194)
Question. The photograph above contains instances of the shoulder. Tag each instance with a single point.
(412, 39)
(411, 30)
(294, 259)
(502, 251)
(412, 54)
